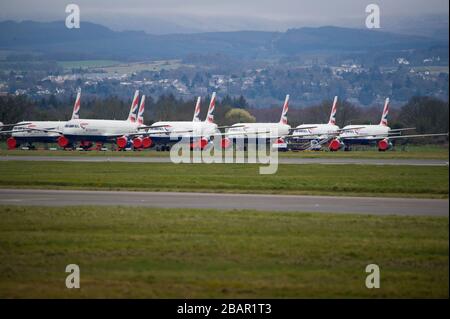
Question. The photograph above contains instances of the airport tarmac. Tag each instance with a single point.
(287, 203)
(282, 160)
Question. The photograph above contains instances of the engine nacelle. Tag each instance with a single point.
(335, 145)
(137, 142)
(225, 143)
(147, 142)
(199, 144)
(122, 142)
(63, 141)
(203, 143)
(384, 145)
(11, 142)
(280, 144)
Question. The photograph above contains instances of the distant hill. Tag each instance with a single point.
(93, 41)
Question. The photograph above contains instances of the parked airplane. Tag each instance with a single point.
(164, 134)
(242, 132)
(29, 132)
(119, 131)
(381, 135)
(310, 136)
(139, 141)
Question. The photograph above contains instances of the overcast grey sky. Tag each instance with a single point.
(218, 15)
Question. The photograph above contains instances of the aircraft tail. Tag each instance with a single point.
(140, 115)
(134, 107)
(212, 106)
(384, 120)
(76, 106)
(197, 111)
(333, 112)
(283, 119)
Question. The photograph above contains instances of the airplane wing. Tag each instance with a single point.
(393, 135)
(311, 134)
(28, 129)
(229, 126)
(350, 129)
(49, 130)
(9, 125)
(151, 126)
(301, 128)
(417, 135)
(7, 132)
(402, 129)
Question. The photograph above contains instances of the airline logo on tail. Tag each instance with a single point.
(134, 107)
(333, 112)
(197, 111)
(212, 106)
(140, 117)
(385, 113)
(283, 119)
(76, 107)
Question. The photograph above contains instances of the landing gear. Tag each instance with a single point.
(30, 146)
(86, 145)
(162, 148)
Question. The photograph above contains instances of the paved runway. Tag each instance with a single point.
(282, 160)
(324, 204)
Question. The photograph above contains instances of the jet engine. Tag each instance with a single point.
(122, 142)
(11, 142)
(225, 143)
(63, 141)
(137, 142)
(335, 145)
(384, 145)
(147, 142)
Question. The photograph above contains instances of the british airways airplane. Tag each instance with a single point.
(29, 132)
(242, 133)
(380, 135)
(164, 134)
(121, 132)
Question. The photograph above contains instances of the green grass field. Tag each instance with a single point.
(180, 253)
(407, 152)
(112, 66)
(349, 180)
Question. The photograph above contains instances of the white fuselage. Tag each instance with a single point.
(101, 128)
(24, 130)
(183, 129)
(315, 131)
(258, 130)
(365, 132)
